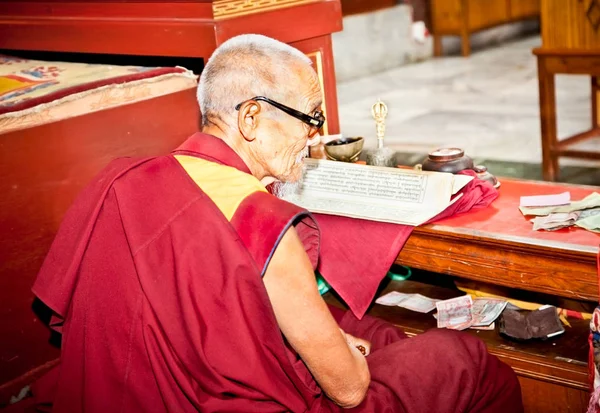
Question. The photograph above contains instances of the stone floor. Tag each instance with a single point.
(486, 104)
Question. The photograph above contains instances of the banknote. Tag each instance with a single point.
(555, 221)
(589, 202)
(413, 302)
(461, 326)
(455, 312)
(486, 328)
(589, 219)
(546, 200)
(392, 298)
(418, 302)
(486, 310)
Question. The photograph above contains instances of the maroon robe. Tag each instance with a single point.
(162, 308)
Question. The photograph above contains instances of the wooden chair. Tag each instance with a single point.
(570, 45)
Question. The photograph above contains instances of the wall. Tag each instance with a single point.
(376, 41)
(381, 40)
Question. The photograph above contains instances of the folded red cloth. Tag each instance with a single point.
(356, 254)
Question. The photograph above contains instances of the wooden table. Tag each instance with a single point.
(497, 245)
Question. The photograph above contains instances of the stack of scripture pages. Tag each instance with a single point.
(400, 196)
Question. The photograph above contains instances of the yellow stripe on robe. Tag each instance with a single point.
(225, 185)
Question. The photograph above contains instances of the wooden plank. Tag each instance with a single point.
(485, 13)
(309, 21)
(350, 7)
(522, 9)
(573, 64)
(579, 154)
(569, 274)
(583, 136)
(548, 398)
(163, 29)
(446, 16)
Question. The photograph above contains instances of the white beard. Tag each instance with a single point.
(286, 189)
(301, 156)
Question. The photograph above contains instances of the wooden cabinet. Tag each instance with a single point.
(522, 9)
(481, 14)
(464, 17)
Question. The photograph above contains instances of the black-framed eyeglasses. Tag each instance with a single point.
(315, 122)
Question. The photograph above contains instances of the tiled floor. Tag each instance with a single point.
(486, 104)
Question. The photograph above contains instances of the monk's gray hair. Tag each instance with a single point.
(243, 67)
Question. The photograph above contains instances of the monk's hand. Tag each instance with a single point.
(357, 344)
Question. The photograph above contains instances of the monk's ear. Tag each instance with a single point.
(248, 119)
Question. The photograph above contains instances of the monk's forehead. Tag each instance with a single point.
(307, 84)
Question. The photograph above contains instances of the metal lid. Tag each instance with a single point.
(446, 154)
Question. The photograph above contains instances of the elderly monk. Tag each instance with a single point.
(180, 284)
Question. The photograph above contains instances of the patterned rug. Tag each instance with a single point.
(27, 83)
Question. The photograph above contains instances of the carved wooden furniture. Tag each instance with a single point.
(570, 45)
(497, 246)
(43, 168)
(464, 17)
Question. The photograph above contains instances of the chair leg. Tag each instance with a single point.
(548, 121)
(465, 39)
(465, 44)
(437, 45)
(595, 91)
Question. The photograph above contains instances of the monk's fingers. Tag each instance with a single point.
(363, 346)
(360, 344)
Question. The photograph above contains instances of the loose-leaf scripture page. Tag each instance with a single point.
(399, 196)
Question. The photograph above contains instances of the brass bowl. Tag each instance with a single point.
(344, 149)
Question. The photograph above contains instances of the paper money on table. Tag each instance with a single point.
(589, 219)
(486, 310)
(418, 302)
(555, 221)
(455, 312)
(413, 302)
(486, 328)
(461, 326)
(546, 200)
(589, 202)
(392, 298)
